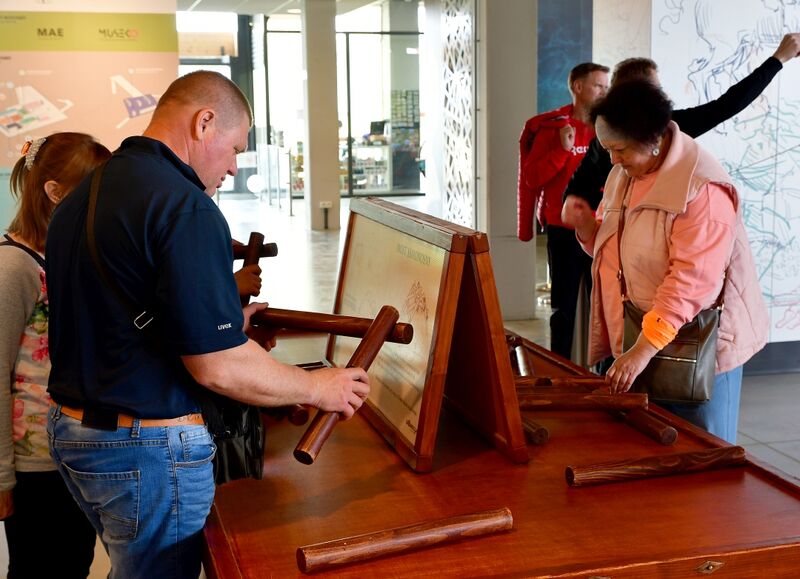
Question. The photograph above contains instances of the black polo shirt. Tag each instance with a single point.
(169, 248)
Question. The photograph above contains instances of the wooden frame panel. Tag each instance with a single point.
(465, 298)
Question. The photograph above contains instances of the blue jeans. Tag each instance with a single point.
(720, 415)
(146, 491)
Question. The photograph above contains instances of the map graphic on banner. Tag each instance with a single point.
(31, 112)
(136, 103)
(702, 48)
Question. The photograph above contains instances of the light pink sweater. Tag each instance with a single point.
(683, 227)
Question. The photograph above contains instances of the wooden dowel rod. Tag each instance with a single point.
(252, 251)
(543, 381)
(339, 325)
(535, 433)
(321, 427)
(653, 466)
(649, 425)
(251, 256)
(266, 250)
(524, 362)
(575, 390)
(573, 401)
(637, 418)
(323, 556)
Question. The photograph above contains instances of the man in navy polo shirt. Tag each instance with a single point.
(125, 429)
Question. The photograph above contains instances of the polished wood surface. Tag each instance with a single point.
(652, 466)
(323, 556)
(323, 423)
(543, 382)
(746, 518)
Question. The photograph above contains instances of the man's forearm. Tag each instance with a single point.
(249, 374)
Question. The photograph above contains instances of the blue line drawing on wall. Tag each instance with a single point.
(702, 48)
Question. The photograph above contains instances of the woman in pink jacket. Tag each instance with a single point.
(683, 236)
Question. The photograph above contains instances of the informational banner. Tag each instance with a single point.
(94, 72)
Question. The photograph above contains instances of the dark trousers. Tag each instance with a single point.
(568, 264)
(48, 534)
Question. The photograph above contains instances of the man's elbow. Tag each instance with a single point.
(206, 371)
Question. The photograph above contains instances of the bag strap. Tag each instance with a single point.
(140, 320)
(39, 259)
(620, 227)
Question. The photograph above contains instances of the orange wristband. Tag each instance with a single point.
(657, 330)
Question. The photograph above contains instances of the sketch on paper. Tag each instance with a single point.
(416, 305)
(702, 48)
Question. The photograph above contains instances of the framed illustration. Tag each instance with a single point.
(439, 277)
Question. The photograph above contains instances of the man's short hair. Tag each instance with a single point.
(205, 88)
(637, 68)
(583, 70)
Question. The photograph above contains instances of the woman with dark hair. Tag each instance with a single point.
(670, 220)
(40, 515)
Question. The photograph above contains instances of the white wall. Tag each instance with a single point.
(506, 99)
(620, 29)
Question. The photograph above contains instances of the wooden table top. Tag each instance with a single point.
(746, 519)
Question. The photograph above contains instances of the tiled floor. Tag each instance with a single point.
(769, 424)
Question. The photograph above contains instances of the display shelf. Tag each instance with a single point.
(372, 168)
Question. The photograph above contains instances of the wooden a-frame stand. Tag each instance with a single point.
(439, 276)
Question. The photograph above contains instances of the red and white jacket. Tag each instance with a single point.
(545, 167)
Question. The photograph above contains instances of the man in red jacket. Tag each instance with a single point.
(551, 147)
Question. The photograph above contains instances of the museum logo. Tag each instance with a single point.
(125, 34)
(50, 32)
